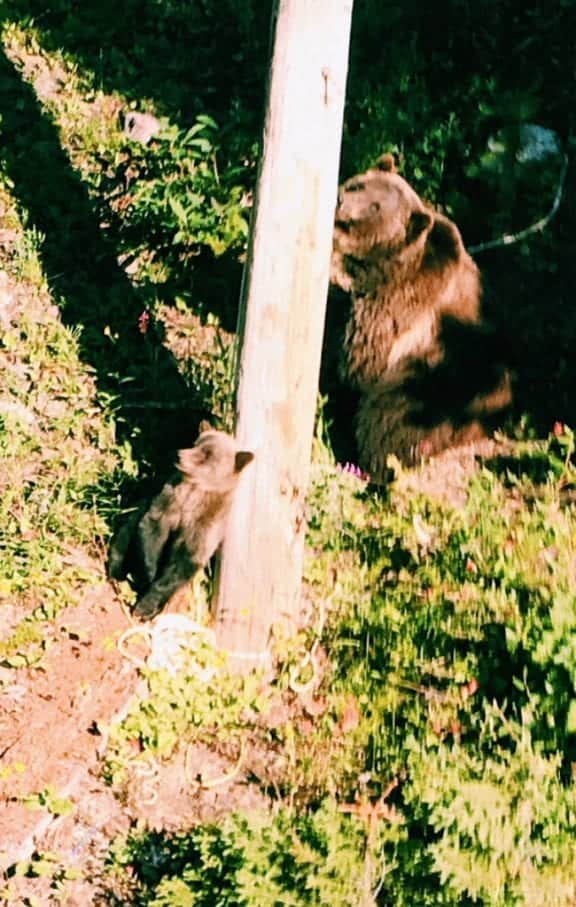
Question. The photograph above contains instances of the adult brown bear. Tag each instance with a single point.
(428, 370)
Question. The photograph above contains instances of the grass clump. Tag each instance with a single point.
(56, 455)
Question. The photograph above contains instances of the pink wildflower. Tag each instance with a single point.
(144, 322)
(424, 448)
(355, 471)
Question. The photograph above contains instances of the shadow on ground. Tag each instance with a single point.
(190, 58)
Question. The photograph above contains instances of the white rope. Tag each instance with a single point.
(167, 641)
(509, 238)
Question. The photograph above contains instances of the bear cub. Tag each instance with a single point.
(164, 545)
(428, 371)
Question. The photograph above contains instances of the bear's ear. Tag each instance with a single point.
(386, 163)
(444, 241)
(419, 222)
(243, 457)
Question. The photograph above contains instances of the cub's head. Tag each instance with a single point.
(382, 225)
(214, 463)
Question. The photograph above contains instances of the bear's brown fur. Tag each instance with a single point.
(166, 543)
(415, 345)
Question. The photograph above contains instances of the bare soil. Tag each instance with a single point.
(51, 722)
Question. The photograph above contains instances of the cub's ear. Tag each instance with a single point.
(386, 163)
(243, 457)
(204, 426)
(419, 222)
(444, 241)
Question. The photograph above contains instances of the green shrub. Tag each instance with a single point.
(316, 858)
(178, 200)
(502, 820)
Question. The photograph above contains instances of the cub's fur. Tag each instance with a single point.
(427, 368)
(163, 547)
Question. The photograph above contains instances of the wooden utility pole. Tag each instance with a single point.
(281, 324)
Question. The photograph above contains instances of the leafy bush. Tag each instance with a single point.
(311, 859)
(501, 819)
(458, 641)
(177, 201)
(199, 701)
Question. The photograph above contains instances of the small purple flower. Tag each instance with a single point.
(355, 471)
(144, 322)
